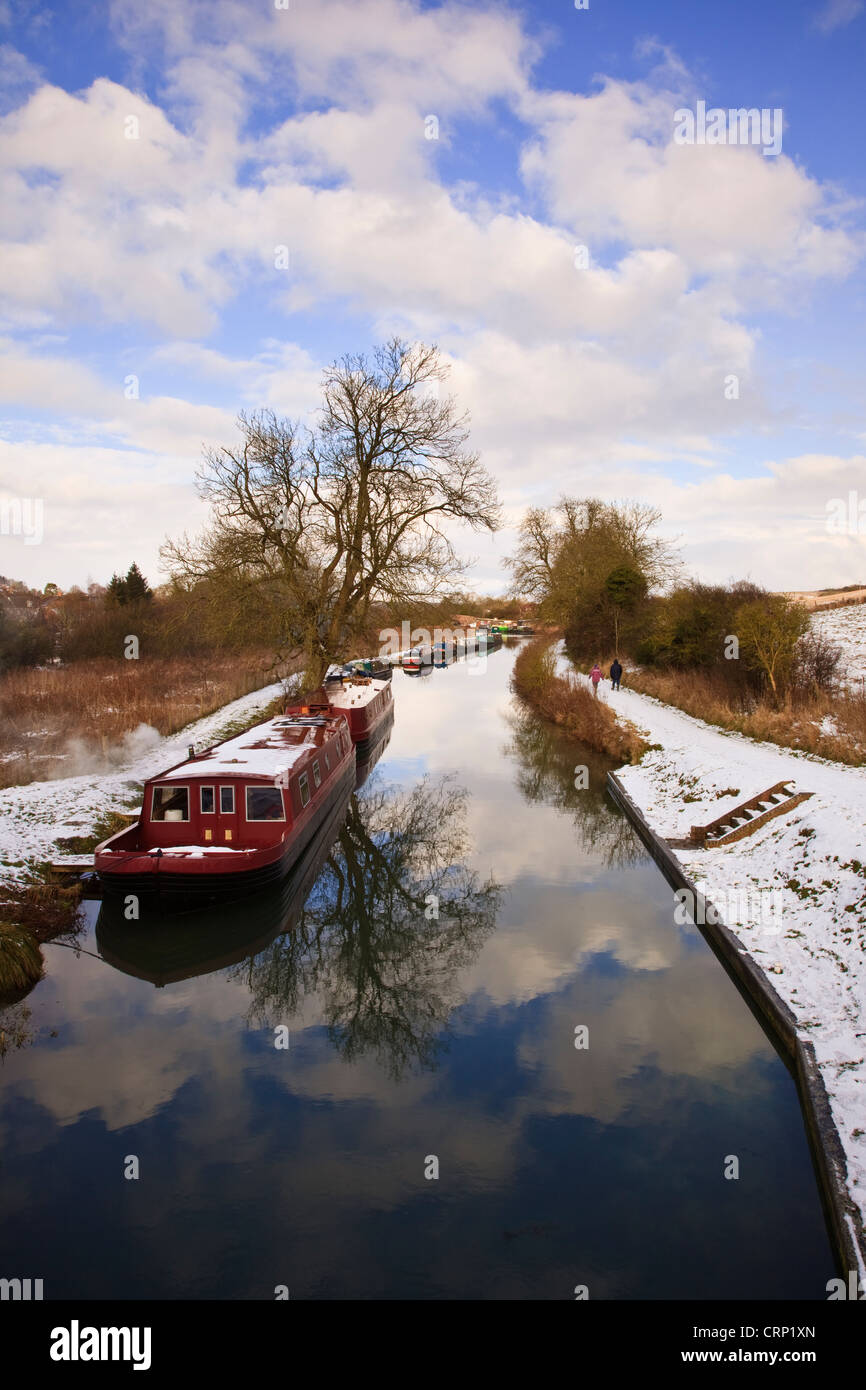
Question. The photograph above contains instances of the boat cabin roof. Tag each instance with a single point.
(354, 692)
(264, 751)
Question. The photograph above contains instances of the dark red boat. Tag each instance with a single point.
(236, 816)
(366, 703)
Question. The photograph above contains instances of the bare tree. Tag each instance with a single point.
(318, 524)
(569, 550)
(532, 563)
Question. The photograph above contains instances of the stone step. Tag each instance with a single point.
(749, 816)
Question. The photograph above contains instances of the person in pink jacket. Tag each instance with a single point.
(595, 677)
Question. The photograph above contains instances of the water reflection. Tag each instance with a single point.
(414, 1033)
(394, 915)
(15, 1029)
(547, 772)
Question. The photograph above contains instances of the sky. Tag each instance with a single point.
(203, 204)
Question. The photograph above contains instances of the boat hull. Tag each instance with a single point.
(369, 753)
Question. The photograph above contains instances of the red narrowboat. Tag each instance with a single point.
(366, 703)
(236, 816)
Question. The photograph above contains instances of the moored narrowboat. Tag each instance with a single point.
(365, 702)
(236, 816)
(376, 666)
(213, 934)
(416, 658)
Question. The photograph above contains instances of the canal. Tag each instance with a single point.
(467, 1054)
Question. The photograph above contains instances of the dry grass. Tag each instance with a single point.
(50, 715)
(32, 912)
(41, 908)
(791, 726)
(21, 963)
(571, 706)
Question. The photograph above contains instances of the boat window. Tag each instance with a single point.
(170, 803)
(327, 763)
(227, 800)
(317, 776)
(304, 788)
(208, 805)
(265, 803)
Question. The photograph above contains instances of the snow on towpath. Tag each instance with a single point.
(32, 818)
(794, 892)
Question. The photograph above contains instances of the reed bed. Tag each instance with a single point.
(571, 706)
(59, 720)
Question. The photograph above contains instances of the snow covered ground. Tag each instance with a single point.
(33, 817)
(847, 628)
(794, 892)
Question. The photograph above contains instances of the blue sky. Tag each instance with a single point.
(153, 257)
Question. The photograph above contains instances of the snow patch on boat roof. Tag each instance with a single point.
(353, 696)
(260, 752)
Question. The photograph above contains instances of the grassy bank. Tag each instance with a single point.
(32, 912)
(572, 706)
(58, 720)
(830, 726)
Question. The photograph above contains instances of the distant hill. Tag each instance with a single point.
(830, 598)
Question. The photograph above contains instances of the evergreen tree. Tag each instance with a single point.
(116, 591)
(132, 588)
(135, 585)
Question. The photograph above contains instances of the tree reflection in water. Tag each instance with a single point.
(15, 1028)
(394, 916)
(547, 762)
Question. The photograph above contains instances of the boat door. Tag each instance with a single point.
(228, 814)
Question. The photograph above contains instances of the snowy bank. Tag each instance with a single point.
(794, 892)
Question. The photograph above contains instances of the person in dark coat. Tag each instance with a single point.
(615, 673)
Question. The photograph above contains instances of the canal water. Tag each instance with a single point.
(368, 1086)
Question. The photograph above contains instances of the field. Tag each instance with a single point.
(91, 716)
(847, 628)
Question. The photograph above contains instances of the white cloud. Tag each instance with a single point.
(835, 14)
(576, 379)
(17, 76)
(609, 168)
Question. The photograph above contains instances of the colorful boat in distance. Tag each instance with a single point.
(416, 658)
(443, 653)
(365, 702)
(379, 667)
(235, 817)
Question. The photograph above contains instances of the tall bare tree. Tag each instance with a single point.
(320, 523)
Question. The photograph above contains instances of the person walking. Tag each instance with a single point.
(595, 677)
(615, 673)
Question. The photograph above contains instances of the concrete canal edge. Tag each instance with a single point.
(844, 1220)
